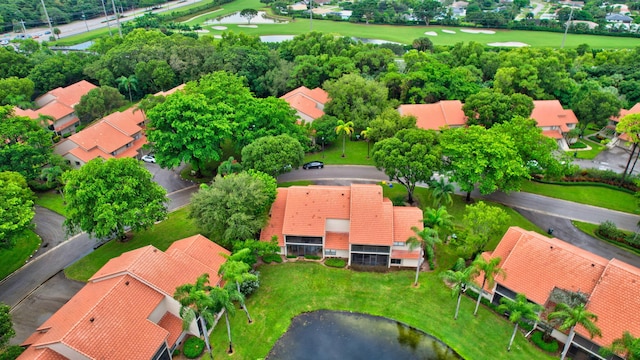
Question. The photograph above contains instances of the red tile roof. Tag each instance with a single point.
(306, 101)
(56, 109)
(404, 218)
(28, 113)
(405, 254)
(446, 113)
(276, 218)
(549, 113)
(371, 217)
(308, 207)
(102, 136)
(71, 94)
(623, 112)
(336, 241)
(117, 308)
(127, 121)
(554, 134)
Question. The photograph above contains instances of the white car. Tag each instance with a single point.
(149, 158)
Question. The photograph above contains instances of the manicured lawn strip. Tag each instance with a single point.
(292, 288)
(226, 9)
(52, 201)
(12, 259)
(590, 229)
(295, 183)
(596, 149)
(163, 234)
(355, 154)
(590, 195)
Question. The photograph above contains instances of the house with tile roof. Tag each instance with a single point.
(308, 104)
(554, 121)
(127, 309)
(355, 222)
(58, 103)
(536, 266)
(619, 139)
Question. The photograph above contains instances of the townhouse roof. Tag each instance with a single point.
(623, 112)
(307, 101)
(446, 113)
(170, 91)
(535, 265)
(405, 254)
(618, 17)
(548, 113)
(71, 94)
(128, 121)
(117, 308)
(102, 136)
(372, 218)
(28, 113)
(56, 109)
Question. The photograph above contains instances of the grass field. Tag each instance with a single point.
(596, 148)
(355, 154)
(590, 195)
(292, 288)
(14, 258)
(52, 201)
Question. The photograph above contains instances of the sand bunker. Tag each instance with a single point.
(217, 36)
(509, 44)
(219, 27)
(488, 32)
(202, 31)
(431, 33)
(248, 26)
(448, 31)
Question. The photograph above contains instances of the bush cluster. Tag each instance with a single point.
(291, 256)
(248, 287)
(193, 347)
(578, 145)
(609, 230)
(269, 258)
(335, 262)
(537, 338)
(312, 257)
(605, 177)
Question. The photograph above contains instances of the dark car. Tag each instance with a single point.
(313, 165)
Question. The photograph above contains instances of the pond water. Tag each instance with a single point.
(281, 38)
(235, 18)
(325, 335)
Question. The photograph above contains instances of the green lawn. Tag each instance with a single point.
(596, 148)
(590, 229)
(355, 154)
(52, 201)
(12, 259)
(292, 288)
(584, 194)
(177, 226)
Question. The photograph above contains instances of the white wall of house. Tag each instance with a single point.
(64, 147)
(67, 352)
(74, 161)
(407, 263)
(337, 225)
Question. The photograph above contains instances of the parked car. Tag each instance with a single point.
(149, 158)
(313, 165)
(47, 32)
(4, 42)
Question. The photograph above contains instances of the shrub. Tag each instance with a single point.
(609, 230)
(269, 258)
(248, 287)
(312, 257)
(176, 352)
(11, 352)
(291, 256)
(537, 338)
(335, 262)
(633, 240)
(578, 145)
(193, 347)
(398, 200)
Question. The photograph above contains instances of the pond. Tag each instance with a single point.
(235, 18)
(281, 38)
(324, 334)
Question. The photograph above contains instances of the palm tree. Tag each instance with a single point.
(223, 301)
(148, 103)
(572, 316)
(489, 271)
(366, 135)
(234, 270)
(438, 219)
(426, 239)
(128, 84)
(519, 309)
(344, 129)
(57, 32)
(196, 303)
(459, 279)
(628, 345)
(441, 191)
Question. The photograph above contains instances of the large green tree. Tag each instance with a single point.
(14, 88)
(16, 207)
(411, 156)
(25, 147)
(489, 107)
(519, 309)
(98, 103)
(234, 207)
(426, 10)
(388, 123)
(6, 326)
(594, 105)
(356, 99)
(482, 222)
(107, 197)
(571, 317)
(273, 155)
(488, 158)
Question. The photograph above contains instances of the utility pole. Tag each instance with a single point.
(310, 15)
(24, 30)
(566, 29)
(107, 17)
(84, 17)
(47, 15)
(115, 12)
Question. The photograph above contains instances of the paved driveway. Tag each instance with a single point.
(168, 179)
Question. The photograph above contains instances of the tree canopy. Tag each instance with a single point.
(489, 107)
(98, 103)
(353, 98)
(106, 198)
(273, 155)
(16, 207)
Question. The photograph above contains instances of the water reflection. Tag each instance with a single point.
(324, 334)
(235, 18)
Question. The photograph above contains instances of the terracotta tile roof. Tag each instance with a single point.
(446, 113)
(276, 218)
(634, 110)
(102, 136)
(549, 113)
(28, 113)
(41, 354)
(126, 121)
(336, 241)
(371, 217)
(616, 302)
(56, 109)
(87, 156)
(405, 254)
(173, 325)
(404, 218)
(71, 94)
(306, 101)
(534, 262)
(308, 207)
(554, 134)
(170, 91)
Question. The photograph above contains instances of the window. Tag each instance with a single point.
(371, 248)
(330, 252)
(303, 240)
(369, 259)
(77, 163)
(399, 243)
(396, 261)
